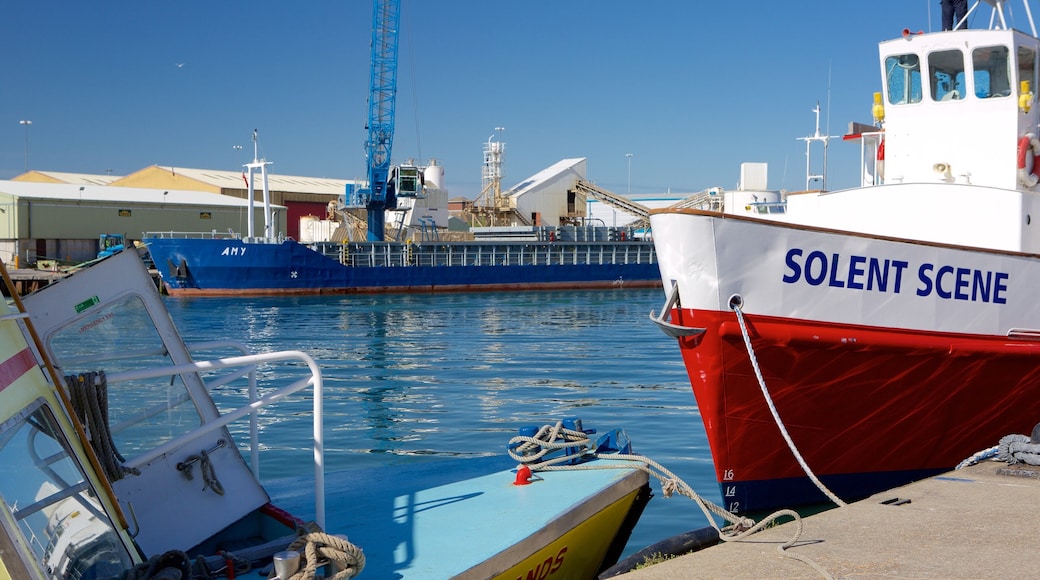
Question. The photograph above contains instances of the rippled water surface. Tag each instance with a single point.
(455, 375)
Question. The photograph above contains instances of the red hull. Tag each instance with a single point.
(862, 404)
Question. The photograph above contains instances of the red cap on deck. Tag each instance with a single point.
(523, 475)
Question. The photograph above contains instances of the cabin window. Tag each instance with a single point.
(143, 413)
(946, 75)
(53, 503)
(992, 73)
(1027, 68)
(903, 77)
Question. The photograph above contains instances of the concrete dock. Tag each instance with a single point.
(979, 522)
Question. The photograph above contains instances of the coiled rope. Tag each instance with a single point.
(171, 564)
(89, 395)
(319, 549)
(530, 450)
(1011, 449)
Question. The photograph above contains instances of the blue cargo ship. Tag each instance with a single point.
(552, 258)
(503, 257)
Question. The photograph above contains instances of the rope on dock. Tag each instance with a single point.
(1011, 449)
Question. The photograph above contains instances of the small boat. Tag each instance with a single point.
(840, 343)
(127, 453)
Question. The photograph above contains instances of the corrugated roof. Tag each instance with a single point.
(63, 177)
(286, 183)
(73, 192)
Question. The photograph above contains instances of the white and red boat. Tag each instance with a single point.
(894, 327)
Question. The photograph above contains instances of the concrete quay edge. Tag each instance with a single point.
(977, 522)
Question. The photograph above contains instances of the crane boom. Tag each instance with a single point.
(378, 197)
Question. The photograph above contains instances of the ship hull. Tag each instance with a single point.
(886, 360)
(233, 266)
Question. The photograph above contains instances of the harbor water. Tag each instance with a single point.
(416, 377)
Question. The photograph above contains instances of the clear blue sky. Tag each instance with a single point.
(690, 89)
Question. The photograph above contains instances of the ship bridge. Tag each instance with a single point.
(958, 107)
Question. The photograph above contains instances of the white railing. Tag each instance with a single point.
(243, 366)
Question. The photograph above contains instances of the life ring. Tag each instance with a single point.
(880, 164)
(1028, 148)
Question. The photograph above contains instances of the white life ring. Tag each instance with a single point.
(1028, 168)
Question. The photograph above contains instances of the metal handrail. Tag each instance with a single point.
(254, 405)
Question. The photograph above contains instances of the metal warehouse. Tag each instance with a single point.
(61, 221)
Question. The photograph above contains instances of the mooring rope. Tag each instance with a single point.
(1011, 449)
(88, 393)
(776, 415)
(318, 549)
(530, 450)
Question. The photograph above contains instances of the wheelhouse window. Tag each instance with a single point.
(992, 71)
(1027, 67)
(946, 75)
(143, 413)
(903, 78)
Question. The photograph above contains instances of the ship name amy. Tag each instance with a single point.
(885, 275)
(234, 251)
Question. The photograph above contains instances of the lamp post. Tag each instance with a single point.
(629, 155)
(26, 123)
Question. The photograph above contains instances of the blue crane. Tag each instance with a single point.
(385, 183)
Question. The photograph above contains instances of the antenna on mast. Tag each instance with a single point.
(816, 137)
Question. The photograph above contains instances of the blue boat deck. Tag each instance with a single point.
(428, 518)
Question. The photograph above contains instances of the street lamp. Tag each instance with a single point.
(629, 155)
(26, 123)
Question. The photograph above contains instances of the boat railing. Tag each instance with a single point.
(212, 384)
(210, 235)
(388, 255)
(237, 367)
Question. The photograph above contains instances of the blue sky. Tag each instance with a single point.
(690, 89)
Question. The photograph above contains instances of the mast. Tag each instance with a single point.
(814, 138)
(253, 166)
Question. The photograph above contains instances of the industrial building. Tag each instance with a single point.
(60, 221)
(299, 196)
(59, 216)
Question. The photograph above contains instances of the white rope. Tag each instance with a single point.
(776, 415)
(979, 457)
(527, 449)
